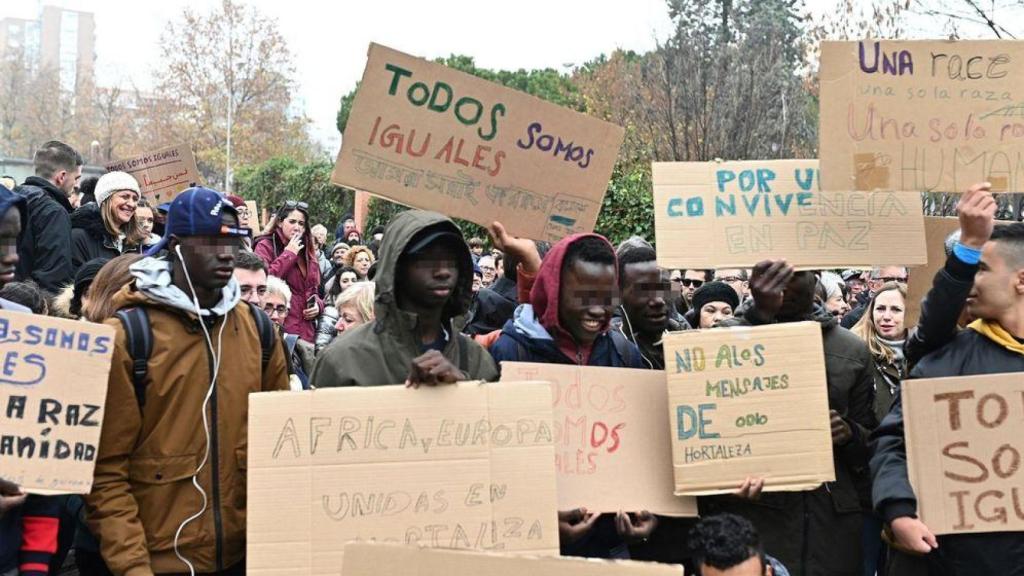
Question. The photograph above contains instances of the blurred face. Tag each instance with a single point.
(210, 259)
(347, 279)
(123, 205)
(353, 237)
(998, 286)
(586, 299)
(837, 306)
(888, 314)
(338, 256)
(144, 216)
(293, 223)
(10, 229)
(320, 235)
(888, 274)
(488, 270)
(253, 284)
(348, 226)
(478, 283)
(243, 216)
(428, 278)
(714, 312)
(690, 281)
(733, 277)
(275, 307)
(362, 263)
(348, 318)
(645, 290)
(477, 250)
(855, 286)
(750, 567)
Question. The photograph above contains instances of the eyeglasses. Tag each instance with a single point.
(728, 279)
(689, 282)
(294, 204)
(272, 310)
(900, 279)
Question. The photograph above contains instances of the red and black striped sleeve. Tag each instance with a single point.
(40, 520)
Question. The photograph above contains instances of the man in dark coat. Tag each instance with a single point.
(44, 249)
(814, 532)
(993, 343)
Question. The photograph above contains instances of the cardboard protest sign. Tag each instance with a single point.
(162, 173)
(461, 466)
(254, 215)
(920, 281)
(922, 115)
(739, 213)
(53, 386)
(748, 401)
(428, 136)
(964, 451)
(375, 559)
(609, 424)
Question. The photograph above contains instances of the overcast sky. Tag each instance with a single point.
(328, 40)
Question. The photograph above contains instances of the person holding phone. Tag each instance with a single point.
(289, 253)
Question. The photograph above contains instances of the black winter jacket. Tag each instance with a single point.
(89, 237)
(44, 249)
(494, 307)
(818, 532)
(945, 353)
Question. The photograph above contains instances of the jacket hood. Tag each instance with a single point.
(544, 294)
(9, 199)
(153, 282)
(43, 187)
(400, 231)
(90, 219)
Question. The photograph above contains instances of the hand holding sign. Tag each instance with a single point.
(841, 431)
(574, 524)
(768, 282)
(635, 526)
(433, 368)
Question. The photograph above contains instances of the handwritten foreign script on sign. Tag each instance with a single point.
(461, 466)
(609, 424)
(428, 136)
(922, 115)
(964, 451)
(748, 402)
(740, 213)
(161, 174)
(375, 559)
(53, 385)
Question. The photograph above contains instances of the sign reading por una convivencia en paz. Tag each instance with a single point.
(748, 402)
(922, 115)
(53, 386)
(428, 136)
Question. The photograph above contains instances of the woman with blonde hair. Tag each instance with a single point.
(883, 330)
(98, 301)
(109, 227)
(359, 258)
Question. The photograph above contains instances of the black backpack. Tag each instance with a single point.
(139, 335)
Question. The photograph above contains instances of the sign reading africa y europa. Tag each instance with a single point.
(922, 115)
(748, 402)
(161, 174)
(53, 386)
(740, 213)
(964, 451)
(428, 136)
(461, 466)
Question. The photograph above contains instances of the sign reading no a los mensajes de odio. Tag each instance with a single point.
(53, 387)
(749, 402)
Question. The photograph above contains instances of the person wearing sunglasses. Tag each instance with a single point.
(690, 280)
(290, 254)
(879, 277)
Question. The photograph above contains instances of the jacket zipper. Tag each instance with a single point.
(218, 528)
(804, 545)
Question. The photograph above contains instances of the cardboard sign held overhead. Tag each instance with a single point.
(609, 425)
(736, 214)
(922, 115)
(461, 466)
(749, 402)
(371, 559)
(53, 386)
(431, 137)
(162, 173)
(964, 451)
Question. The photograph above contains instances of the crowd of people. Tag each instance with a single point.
(210, 305)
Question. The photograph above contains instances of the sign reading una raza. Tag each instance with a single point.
(428, 136)
(53, 386)
(740, 213)
(748, 402)
(922, 115)
(462, 466)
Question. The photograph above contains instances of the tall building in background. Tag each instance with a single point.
(60, 39)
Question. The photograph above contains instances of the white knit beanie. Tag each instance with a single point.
(114, 182)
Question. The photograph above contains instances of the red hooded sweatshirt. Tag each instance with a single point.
(544, 297)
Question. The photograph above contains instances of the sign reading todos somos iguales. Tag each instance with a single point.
(53, 386)
(428, 136)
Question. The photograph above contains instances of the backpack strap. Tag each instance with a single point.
(266, 330)
(290, 340)
(139, 335)
(623, 347)
(463, 354)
